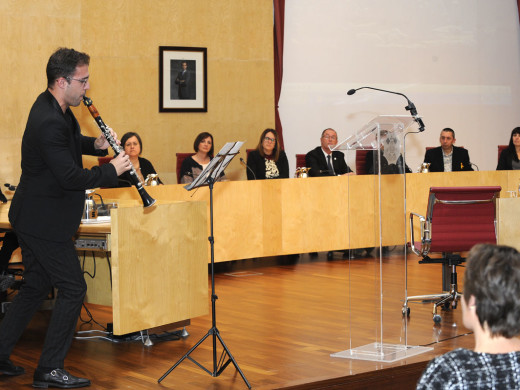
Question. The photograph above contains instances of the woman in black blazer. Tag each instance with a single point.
(133, 147)
(193, 166)
(268, 160)
(509, 158)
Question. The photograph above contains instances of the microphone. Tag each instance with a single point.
(245, 164)
(474, 165)
(410, 107)
(327, 171)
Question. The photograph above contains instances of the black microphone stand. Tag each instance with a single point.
(220, 365)
(410, 107)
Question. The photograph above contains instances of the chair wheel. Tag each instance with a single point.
(437, 318)
(405, 311)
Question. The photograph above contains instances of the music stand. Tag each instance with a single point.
(208, 177)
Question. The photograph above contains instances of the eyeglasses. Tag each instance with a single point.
(268, 139)
(83, 80)
(332, 137)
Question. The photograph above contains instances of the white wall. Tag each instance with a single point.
(457, 60)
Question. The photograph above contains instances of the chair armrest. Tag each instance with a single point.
(425, 235)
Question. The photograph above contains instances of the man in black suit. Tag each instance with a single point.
(45, 214)
(448, 157)
(183, 81)
(322, 161)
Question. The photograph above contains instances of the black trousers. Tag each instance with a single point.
(47, 264)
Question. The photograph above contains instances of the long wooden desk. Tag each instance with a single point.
(152, 252)
(158, 270)
(277, 217)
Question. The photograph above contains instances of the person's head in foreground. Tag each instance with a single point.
(491, 309)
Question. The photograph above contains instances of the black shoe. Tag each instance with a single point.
(8, 368)
(58, 378)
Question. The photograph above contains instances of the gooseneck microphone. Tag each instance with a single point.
(410, 107)
(247, 166)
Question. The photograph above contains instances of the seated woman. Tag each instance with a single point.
(133, 147)
(192, 166)
(268, 160)
(491, 309)
(509, 157)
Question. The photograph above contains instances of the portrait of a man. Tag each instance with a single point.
(183, 79)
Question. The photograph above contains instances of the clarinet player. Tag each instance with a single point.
(46, 212)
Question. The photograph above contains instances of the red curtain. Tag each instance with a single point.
(279, 17)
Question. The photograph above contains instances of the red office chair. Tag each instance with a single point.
(300, 161)
(361, 161)
(456, 219)
(500, 149)
(180, 158)
(104, 160)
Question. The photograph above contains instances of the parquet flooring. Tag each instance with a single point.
(281, 321)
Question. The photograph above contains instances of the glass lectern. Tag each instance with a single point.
(376, 329)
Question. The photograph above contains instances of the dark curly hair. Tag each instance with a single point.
(63, 63)
(493, 277)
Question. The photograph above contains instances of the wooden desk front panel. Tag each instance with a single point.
(159, 265)
(276, 217)
(508, 222)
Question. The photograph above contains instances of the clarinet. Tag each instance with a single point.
(147, 199)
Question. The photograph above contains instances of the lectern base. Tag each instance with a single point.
(378, 352)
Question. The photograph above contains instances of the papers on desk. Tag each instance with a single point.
(96, 220)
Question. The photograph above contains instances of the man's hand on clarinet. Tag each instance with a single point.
(121, 163)
(101, 141)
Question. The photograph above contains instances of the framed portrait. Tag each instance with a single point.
(182, 79)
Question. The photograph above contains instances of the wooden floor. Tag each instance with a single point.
(281, 319)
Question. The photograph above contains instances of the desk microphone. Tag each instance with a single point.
(327, 171)
(474, 165)
(410, 107)
(245, 164)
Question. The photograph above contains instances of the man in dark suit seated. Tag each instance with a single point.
(322, 161)
(448, 157)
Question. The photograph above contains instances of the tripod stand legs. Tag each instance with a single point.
(217, 368)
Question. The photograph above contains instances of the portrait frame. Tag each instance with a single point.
(183, 79)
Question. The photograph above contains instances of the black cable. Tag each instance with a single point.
(449, 338)
(109, 269)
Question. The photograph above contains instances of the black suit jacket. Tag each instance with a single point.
(460, 160)
(183, 81)
(48, 202)
(315, 160)
(256, 164)
(505, 161)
